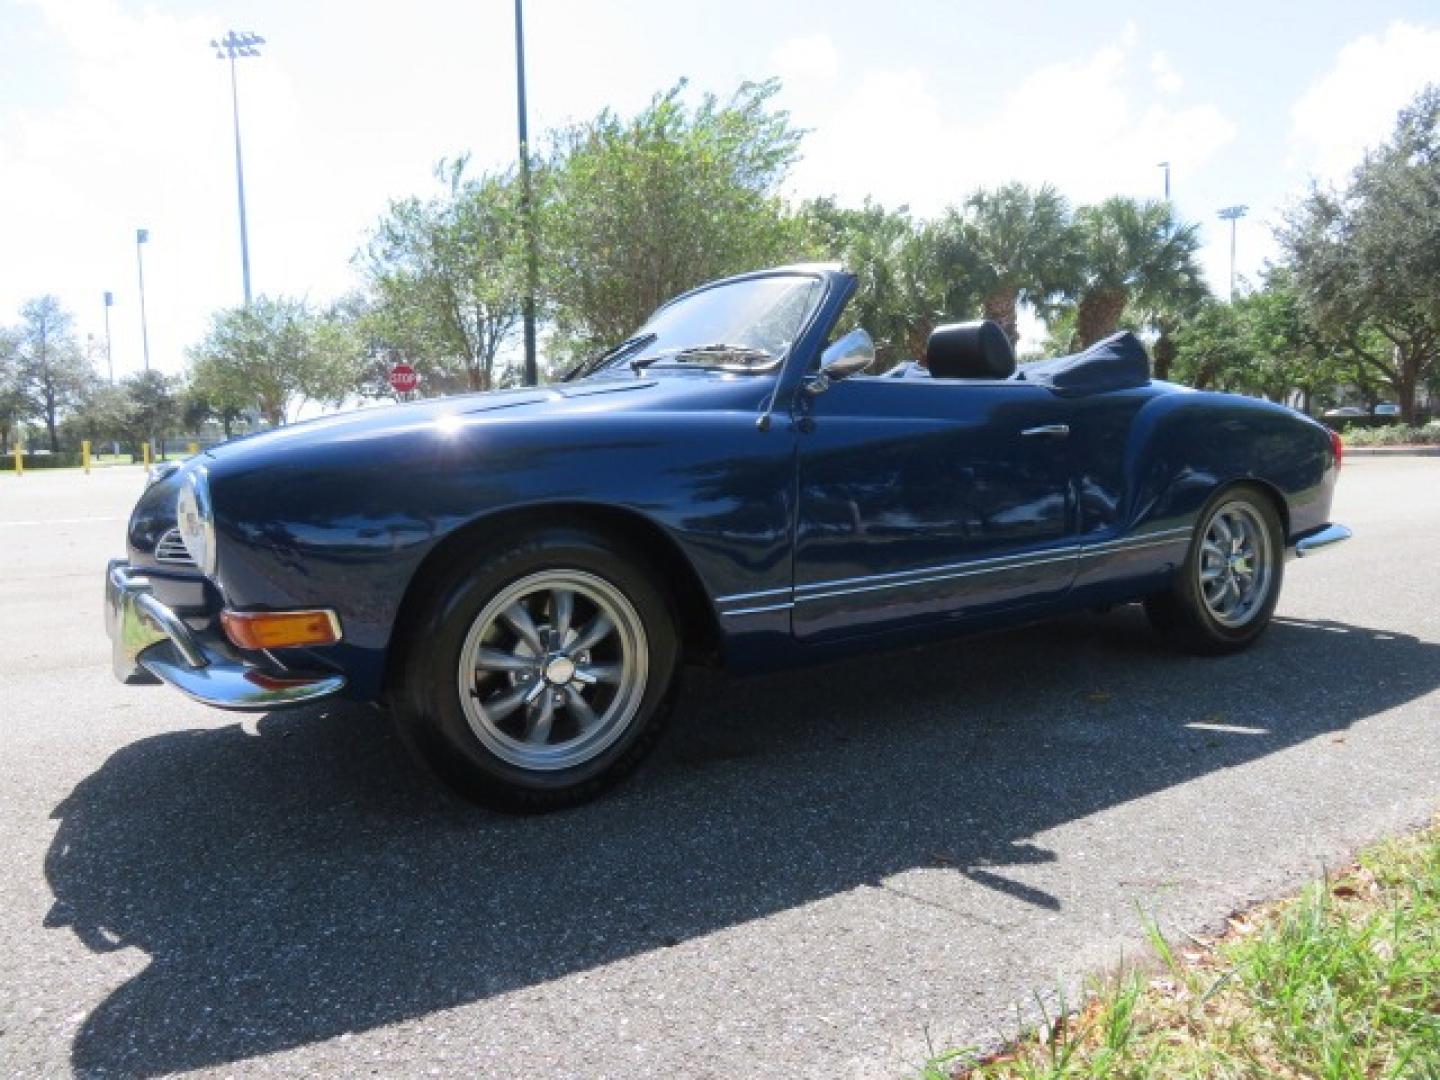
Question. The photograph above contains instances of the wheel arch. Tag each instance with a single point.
(699, 625)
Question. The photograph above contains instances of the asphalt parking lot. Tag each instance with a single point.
(819, 873)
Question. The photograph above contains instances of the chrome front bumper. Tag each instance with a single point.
(148, 641)
(1321, 539)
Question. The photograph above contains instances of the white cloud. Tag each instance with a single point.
(1090, 126)
(1353, 106)
(805, 61)
(1167, 80)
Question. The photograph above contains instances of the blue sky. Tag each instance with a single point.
(115, 115)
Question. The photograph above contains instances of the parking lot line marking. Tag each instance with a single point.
(63, 521)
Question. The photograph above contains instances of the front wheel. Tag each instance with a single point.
(542, 675)
(1226, 591)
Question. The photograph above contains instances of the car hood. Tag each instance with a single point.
(590, 396)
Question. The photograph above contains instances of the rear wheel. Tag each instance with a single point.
(541, 675)
(1226, 591)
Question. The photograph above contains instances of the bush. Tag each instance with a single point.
(68, 460)
(1398, 435)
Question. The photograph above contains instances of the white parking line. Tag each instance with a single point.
(63, 521)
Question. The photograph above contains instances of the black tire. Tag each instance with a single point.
(1182, 614)
(449, 734)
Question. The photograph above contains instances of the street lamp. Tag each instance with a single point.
(1166, 166)
(231, 47)
(527, 198)
(109, 357)
(1232, 214)
(142, 237)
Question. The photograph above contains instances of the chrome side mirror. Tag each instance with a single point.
(851, 355)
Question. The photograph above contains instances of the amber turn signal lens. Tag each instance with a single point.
(280, 629)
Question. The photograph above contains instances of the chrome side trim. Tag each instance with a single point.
(757, 610)
(753, 595)
(933, 578)
(1327, 537)
(822, 590)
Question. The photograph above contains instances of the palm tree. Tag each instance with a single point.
(1022, 247)
(1131, 252)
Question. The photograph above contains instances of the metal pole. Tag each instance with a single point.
(142, 235)
(240, 183)
(109, 356)
(527, 200)
(1234, 226)
(1166, 166)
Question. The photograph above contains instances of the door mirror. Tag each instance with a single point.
(851, 355)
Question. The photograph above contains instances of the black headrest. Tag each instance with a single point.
(972, 350)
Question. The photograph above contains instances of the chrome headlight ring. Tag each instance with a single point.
(195, 518)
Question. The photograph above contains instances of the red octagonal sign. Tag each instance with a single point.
(403, 378)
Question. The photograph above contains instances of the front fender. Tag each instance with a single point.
(349, 526)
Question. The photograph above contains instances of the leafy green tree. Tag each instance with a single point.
(1213, 350)
(53, 372)
(13, 405)
(1366, 258)
(447, 275)
(274, 356)
(107, 414)
(1130, 252)
(637, 210)
(1022, 249)
(911, 277)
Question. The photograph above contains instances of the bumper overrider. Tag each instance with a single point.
(150, 641)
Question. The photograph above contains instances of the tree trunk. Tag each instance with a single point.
(1164, 353)
(1000, 306)
(55, 434)
(1099, 314)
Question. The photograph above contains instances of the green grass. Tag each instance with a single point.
(1340, 983)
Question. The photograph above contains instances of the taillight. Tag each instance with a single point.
(1338, 447)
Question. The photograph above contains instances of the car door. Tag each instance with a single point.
(928, 499)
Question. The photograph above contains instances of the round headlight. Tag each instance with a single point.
(196, 521)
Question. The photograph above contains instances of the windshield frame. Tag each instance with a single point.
(665, 360)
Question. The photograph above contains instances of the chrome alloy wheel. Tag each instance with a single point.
(1235, 564)
(553, 669)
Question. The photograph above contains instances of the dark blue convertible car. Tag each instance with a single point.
(520, 576)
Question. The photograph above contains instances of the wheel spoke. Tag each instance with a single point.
(499, 660)
(503, 704)
(1223, 533)
(562, 607)
(595, 632)
(540, 719)
(1210, 573)
(518, 619)
(593, 673)
(579, 708)
(1213, 550)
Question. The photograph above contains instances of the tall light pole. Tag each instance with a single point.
(231, 47)
(142, 237)
(1232, 214)
(109, 357)
(1166, 166)
(527, 198)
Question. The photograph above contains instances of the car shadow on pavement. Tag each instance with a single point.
(298, 878)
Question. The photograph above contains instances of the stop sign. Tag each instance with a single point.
(403, 378)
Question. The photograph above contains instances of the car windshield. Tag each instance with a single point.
(743, 326)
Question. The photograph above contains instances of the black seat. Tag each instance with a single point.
(972, 350)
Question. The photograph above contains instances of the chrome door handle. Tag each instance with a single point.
(1054, 431)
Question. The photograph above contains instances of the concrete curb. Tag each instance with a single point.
(1392, 451)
